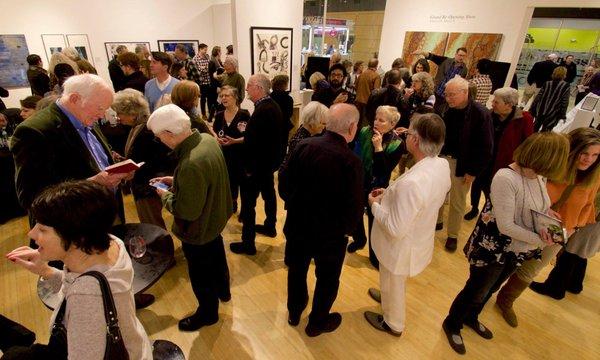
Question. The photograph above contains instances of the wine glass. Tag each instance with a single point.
(136, 246)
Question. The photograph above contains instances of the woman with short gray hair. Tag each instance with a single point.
(133, 110)
(512, 126)
(379, 149)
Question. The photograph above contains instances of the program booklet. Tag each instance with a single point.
(123, 167)
(552, 225)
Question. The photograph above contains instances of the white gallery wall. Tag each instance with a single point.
(208, 21)
(508, 17)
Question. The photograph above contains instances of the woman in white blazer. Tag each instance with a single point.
(405, 214)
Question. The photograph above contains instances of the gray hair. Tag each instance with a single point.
(315, 78)
(508, 95)
(428, 87)
(459, 82)
(431, 130)
(233, 61)
(262, 81)
(313, 113)
(131, 102)
(86, 85)
(233, 92)
(390, 113)
(340, 118)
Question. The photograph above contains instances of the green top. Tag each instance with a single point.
(237, 81)
(200, 200)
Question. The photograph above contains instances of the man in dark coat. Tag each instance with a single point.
(262, 156)
(322, 187)
(114, 69)
(540, 72)
(37, 76)
(335, 93)
(134, 78)
(468, 148)
(390, 95)
(571, 68)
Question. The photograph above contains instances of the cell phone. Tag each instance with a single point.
(160, 185)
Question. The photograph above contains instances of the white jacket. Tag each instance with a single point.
(404, 226)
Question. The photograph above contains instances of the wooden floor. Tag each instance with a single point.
(253, 325)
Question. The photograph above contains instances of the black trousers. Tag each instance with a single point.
(360, 237)
(482, 283)
(251, 187)
(567, 274)
(329, 259)
(209, 275)
(479, 185)
(209, 95)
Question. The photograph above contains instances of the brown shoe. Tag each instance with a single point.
(513, 288)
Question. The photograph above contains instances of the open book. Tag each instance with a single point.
(123, 167)
(552, 225)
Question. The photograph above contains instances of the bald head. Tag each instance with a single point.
(343, 120)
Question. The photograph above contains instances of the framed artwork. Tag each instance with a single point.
(53, 43)
(478, 46)
(434, 42)
(168, 46)
(81, 43)
(13, 61)
(271, 51)
(132, 46)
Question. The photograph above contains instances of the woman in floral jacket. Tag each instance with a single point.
(504, 235)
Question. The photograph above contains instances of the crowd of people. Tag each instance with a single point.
(182, 117)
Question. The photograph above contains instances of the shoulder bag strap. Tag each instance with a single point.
(563, 198)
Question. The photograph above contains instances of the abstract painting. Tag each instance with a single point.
(13, 64)
(111, 47)
(434, 42)
(271, 51)
(168, 46)
(478, 46)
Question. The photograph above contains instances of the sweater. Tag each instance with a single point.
(153, 93)
(200, 200)
(84, 314)
(513, 196)
(579, 209)
(236, 80)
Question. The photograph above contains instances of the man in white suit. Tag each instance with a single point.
(405, 215)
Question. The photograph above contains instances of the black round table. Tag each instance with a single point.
(147, 269)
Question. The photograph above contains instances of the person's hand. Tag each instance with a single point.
(408, 93)
(377, 192)
(160, 192)
(108, 180)
(31, 260)
(341, 98)
(377, 140)
(554, 214)
(231, 140)
(400, 130)
(129, 176)
(546, 237)
(468, 179)
(117, 157)
(223, 141)
(167, 180)
(375, 199)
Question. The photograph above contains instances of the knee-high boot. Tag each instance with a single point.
(513, 288)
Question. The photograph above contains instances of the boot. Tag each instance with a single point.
(507, 296)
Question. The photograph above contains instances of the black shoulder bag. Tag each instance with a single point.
(115, 347)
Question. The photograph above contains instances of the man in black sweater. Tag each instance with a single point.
(540, 72)
(262, 156)
(322, 187)
(37, 76)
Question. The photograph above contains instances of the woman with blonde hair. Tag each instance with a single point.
(379, 149)
(59, 58)
(504, 235)
(84, 65)
(186, 95)
(550, 104)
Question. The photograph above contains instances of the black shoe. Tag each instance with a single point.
(376, 320)
(225, 297)
(375, 294)
(480, 329)
(242, 248)
(439, 226)
(266, 230)
(332, 322)
(472, 214)
(195, 322)
(355, 245)
(574, 290)
(451, 244)
(294, 319)
(143, 300)
(542, 289)
(454, 339)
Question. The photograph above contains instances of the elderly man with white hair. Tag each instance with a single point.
(468, 149)
(62, 142)
(404, 218)
(262, 157)
(322, 187)
(199, 198)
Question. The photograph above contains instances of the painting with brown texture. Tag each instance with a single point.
(478, 46)
(434, 42)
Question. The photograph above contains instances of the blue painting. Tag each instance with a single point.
(13, 61)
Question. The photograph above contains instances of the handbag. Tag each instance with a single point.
(115, 347)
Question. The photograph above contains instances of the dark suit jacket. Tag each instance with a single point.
(541, 72)
(322, 185)
(48, 150)
(116, 75)
(136, 81)
(262, 138)
(38, 80)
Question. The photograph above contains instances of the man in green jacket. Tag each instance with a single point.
(199, 198)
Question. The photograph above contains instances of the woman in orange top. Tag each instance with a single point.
(576, 211)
